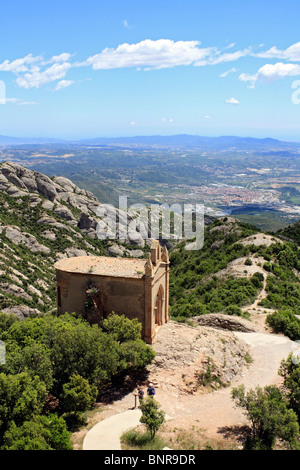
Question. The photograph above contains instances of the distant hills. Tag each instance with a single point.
(179, 141)
(195, 141)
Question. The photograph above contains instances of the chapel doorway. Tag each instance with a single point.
(159, 307)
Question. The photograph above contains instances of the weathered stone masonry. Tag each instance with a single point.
(96, 286)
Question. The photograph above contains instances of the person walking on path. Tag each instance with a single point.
(151, 390)
(140, 394)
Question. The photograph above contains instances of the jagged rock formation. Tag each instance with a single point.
(42, 220)
(78, 207)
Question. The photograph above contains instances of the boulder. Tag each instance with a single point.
(46, 187)
(21, 311)
(64, 212)
(18, 237)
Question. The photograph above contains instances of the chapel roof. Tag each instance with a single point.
(103, 266)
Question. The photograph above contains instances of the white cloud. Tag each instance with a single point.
(163, 53)
(63, 84)
(19, 65)
(35, 78)
(232, 101)
(207, 116)
(35, 71)
(271, 72)
(227, 72)
(229, 56)
(230, 46)
(292, 53)
(64, 57)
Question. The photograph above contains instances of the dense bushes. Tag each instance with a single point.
(65, 358)
(216, 295)
(284, 321)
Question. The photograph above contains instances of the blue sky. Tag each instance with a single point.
(76, 69)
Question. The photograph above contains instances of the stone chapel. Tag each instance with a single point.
(96, 286)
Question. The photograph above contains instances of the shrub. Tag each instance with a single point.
(269, 416)
(152, 417)
(78, 394)
(285, 322)
(233, 310)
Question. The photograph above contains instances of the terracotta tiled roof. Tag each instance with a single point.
(103, 266)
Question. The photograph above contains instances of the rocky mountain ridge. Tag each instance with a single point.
(42, 220)
(78, 207)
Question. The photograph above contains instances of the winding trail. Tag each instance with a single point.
(106, 434)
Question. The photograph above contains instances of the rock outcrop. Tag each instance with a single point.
(70, 203)
(225, 322)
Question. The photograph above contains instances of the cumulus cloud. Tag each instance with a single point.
(36, 71)
(37, 78)
(232, 101)
(63, 84)
(19, 65)
(162, 53)
(271, 72)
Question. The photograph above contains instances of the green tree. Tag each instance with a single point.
(136, 354)
(122, 329)
(33, 359)
(290, 371)
(269, 415)
(43, 433)
(21, 398)
(152, 417)
(78, 394)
